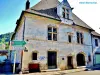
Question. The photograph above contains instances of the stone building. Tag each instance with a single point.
(96, 48)
(56, 38)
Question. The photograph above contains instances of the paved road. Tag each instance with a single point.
(85, 73)
(64, 73)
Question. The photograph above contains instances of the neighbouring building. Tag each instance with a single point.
(56, 38)
(96, 47)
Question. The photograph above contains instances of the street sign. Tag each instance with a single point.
(14, 43)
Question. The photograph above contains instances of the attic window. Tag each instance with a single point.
(65, 13)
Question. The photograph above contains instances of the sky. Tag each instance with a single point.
(10, 11)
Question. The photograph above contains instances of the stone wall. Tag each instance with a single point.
(36, 38)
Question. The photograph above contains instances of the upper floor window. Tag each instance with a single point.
(79, 38)
(69, 38)
(65, 13)
(96, 42)
(52, 33)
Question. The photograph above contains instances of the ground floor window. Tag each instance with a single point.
(34, 56)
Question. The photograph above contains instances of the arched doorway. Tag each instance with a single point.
(80, 59)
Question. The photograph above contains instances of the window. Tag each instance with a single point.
(34, 56)
(69, 38)
(96, 42)
(65, 13)
(52, 33)
(79, 38)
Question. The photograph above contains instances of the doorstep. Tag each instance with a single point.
(57, 72)
(58, 69)
(79, 67)
(49, 70)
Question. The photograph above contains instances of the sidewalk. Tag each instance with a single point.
(57, 72)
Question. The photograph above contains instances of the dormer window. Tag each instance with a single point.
(65, 13)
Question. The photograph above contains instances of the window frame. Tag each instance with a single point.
(35, 56)
(53, 33)
(70, 38)
(80, 38)
(96, 42)
(65, 13)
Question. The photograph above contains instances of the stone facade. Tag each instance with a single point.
(36, 34)
(36, 37)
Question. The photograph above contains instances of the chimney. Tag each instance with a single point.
(27, 4)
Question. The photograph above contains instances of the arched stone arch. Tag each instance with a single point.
(82, 53)
(80, 58)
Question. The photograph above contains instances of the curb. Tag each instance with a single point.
(57, 72)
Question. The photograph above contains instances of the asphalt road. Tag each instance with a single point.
(85, 73)
(96, 72)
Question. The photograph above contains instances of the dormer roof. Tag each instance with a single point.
(94, 33)
(65, 2)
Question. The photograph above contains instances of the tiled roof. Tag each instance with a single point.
(45, 4)
(48, 8)
(44, 13)
(95, 33)
(79, 22)
(52, 12)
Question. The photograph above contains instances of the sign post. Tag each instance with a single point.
(17, 43)
(14, 62)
